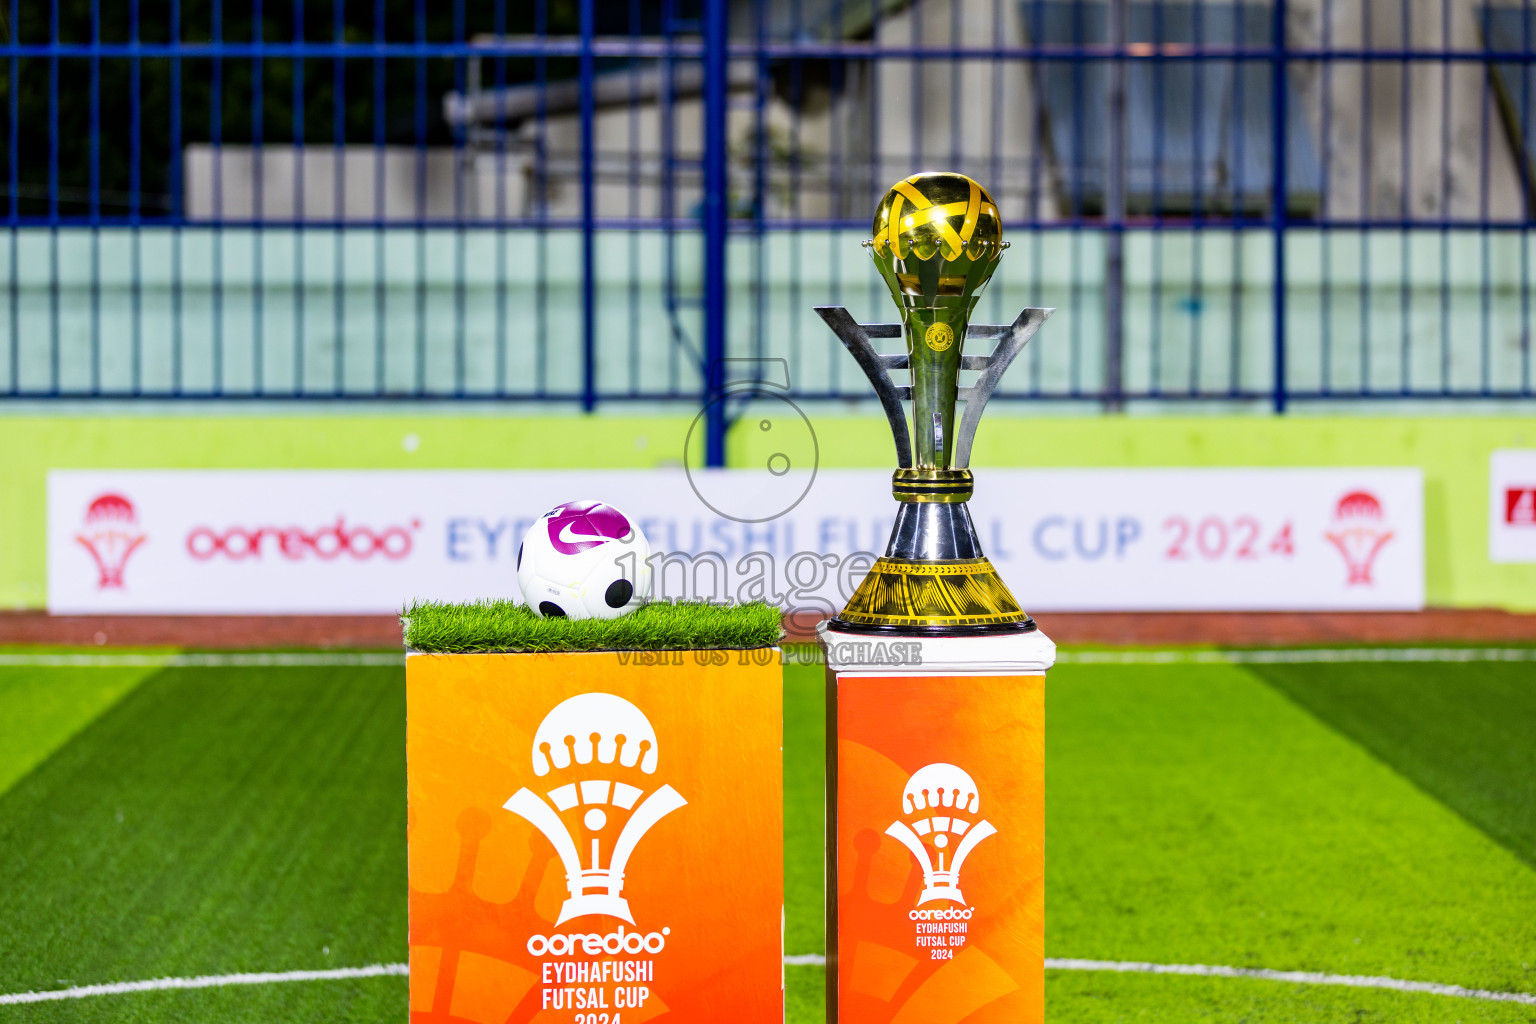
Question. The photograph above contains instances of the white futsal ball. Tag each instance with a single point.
(583, 560)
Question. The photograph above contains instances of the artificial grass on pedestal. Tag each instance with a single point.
(483, 627)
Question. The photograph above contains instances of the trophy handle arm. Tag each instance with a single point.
(976, 396)
(856, 341)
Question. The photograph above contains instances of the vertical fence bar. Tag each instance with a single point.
(995, 141)
(380, 358)
(1526, 211)
(837, 189)
(541, 198)
(1327, 209)
(1404, 205)
(634, 234)
(1278, 214)
(588, 214)
(462, 165)
(338, 203)
(1155, 341)
(1114, 216)
(499, 29)
(1197, 208)
(1445, 197)
(216, 135)
(715, 14)
(1366, 201)
(176, 210)
(796, 149)
(1037, 136)
(14, 354)
(760, 88)
(1079, 168)
(95, 199)
(1238, 203)
(297, 126)
(419, 115)
(1484, 277)
(135, 158)
(258, 201)
(875, 182)
(916, 98)
(53, 204)
(667, 118)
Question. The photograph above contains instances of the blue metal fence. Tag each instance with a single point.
(1251, 202)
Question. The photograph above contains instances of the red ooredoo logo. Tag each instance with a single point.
(111, 535)
(295, 543)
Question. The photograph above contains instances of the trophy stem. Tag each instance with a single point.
(935, 341)
(931, 531)
(934, 579)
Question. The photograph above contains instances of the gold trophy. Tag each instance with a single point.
(938, 238)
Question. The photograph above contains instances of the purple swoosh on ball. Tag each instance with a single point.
(579, 525)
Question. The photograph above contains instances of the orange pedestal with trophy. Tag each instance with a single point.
(936, 826)
(935, 675)
(595, 837)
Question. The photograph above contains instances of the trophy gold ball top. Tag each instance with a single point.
(937, 240)
(938, 213)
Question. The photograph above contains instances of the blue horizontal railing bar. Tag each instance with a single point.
(691, 50)
(749, 227)
(668, 397)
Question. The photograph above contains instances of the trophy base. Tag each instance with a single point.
(840, 625)
(951, 597)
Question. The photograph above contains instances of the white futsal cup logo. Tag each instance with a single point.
(593, 729)
(934, 801)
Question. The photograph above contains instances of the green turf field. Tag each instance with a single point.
(1361, 819)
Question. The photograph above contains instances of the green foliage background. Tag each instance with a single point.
(396, 101)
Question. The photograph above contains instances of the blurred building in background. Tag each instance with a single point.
(830, 133)
(1249, 203)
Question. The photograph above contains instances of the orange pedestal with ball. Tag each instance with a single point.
(595, 838)
(936, 820)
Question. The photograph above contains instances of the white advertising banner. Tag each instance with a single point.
(366, 541)
(1512, 505)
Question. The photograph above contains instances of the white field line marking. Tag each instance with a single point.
(1297, 656)
(1295, 977)
(250, 660)
(206, 981)
(801, 960)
